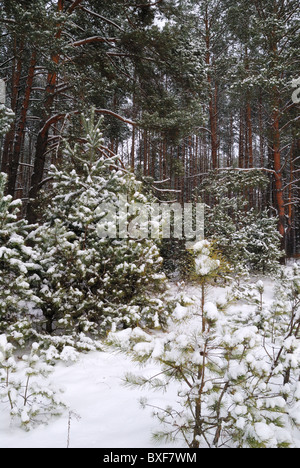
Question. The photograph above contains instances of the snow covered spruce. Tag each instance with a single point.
(86, 281)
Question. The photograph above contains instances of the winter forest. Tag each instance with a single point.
(149, 224)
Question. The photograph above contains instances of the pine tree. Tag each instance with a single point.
(88, 281)
(208, 266)
(229, 388)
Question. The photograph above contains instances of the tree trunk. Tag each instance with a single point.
(279, 196)
(250, 135)
(212, 99)
(42, 140)
(16, 76)
(14, 166)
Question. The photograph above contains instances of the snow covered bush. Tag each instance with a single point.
(258, 243)
(29, 401)
(66, 347)
(87, 282)
(16, 261)
(247, 236)
(278, 321)
(284, 328)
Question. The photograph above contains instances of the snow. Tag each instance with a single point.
(263, 431)
(110, 414)
(211, 311)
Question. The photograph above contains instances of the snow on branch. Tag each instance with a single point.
(161, 181)
(247, 169)
(94, 39)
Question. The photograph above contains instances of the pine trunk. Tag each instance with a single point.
(14, 166)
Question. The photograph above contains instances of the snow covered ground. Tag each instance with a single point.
(109, 414)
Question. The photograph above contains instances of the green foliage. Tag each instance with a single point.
(177, 260)
(208, 263)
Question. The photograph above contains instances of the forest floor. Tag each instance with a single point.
(103, 413)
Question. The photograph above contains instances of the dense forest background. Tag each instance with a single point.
(187, 89)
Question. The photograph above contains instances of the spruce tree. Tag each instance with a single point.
(88, 281)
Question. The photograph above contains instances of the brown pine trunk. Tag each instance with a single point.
(164, 159)
(261, 134)
(279, 196)
(132, 155)
(161, 160)
(249, 117)
(250, 161)
(250, 135)
(145, 153)
(213, 129)
(42, 140)
(182, 181)
(9, 138)
(14, 165)
(241, 142)
(231, 143)
(212, 99)
(289, 234)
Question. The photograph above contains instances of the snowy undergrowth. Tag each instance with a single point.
(238, 380)
(244, 400)
(25, 391)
